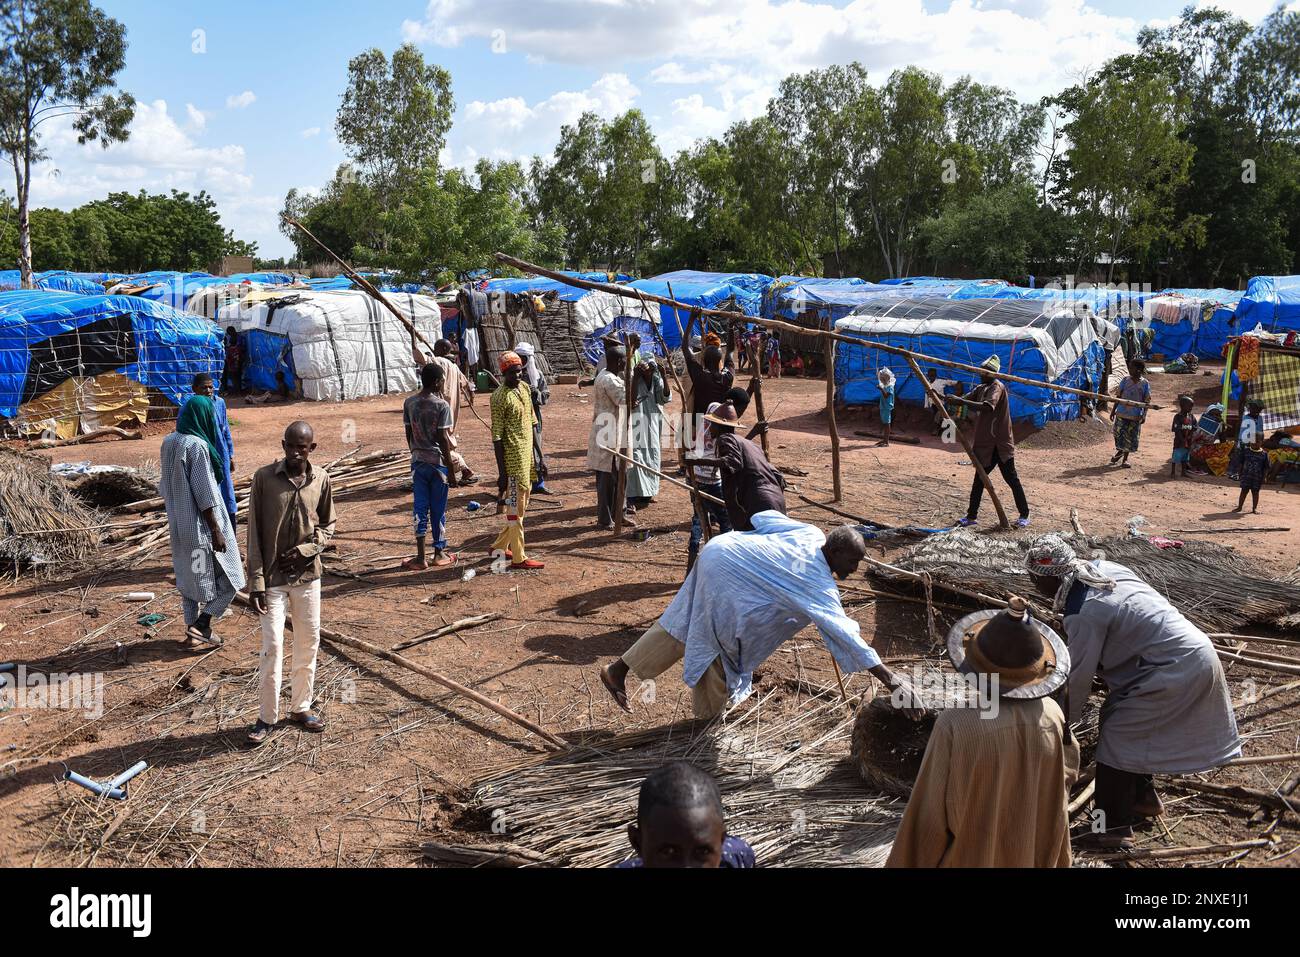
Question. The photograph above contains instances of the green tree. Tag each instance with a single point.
(1125, 164)
(393, 122)
(59, 60)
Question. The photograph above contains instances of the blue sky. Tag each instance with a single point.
(245, 109)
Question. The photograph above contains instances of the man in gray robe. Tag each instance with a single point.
(205, 555)
(1167, 708)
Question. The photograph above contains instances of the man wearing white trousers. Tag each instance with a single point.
(290, 521)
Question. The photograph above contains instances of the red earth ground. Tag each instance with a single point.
(392, 768)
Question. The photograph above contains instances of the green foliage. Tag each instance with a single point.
(59, 60)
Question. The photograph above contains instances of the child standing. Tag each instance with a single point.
(1184, 428)
(1129, 416)
(1252, 425)
(886, 381)
(1254, 465)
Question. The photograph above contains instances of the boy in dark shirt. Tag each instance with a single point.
(427, 418)
(1184, 428)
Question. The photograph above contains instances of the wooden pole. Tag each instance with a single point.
(782, 326)
(347, 641)
(668, 478)
(936, 398)
(756, 386)
(620, 497)
(830, 418)
(364, 284)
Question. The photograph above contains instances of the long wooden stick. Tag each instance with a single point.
(363, 283)
(781, 326)
(756, 385)
(836, 484)
(454, 627)
(346, 640)
(936, 398)
(667, 478)
(1237, 791)
(1290, 758)
(1169, 853)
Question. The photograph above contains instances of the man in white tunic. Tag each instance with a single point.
(748, 593)
(205, 555)
(608, 431)
(1167, 708)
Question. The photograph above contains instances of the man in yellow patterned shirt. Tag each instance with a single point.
(512, 440)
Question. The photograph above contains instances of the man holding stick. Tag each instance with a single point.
(290, 521)
(993, 442)
(454, 388)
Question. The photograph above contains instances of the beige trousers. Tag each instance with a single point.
(303, 601)
(656, 651)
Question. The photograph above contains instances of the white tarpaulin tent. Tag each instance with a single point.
(336, 345)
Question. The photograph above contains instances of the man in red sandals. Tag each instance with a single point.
(428, 420)
(512, 441)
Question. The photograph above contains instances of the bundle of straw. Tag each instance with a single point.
(42, 525)
(1210, 583)
(787, 785)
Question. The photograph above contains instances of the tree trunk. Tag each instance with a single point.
(23, 177)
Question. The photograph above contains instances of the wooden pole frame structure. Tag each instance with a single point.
(837, 485)
(781, 326)
(701, 513)
(937, 399)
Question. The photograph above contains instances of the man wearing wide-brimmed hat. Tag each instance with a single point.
(1167, 708)
(994, 784)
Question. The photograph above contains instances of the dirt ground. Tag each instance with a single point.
(392, 767)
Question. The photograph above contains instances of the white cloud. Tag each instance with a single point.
(198, 121)
(310, 131)
(512, 128)
(159, 156)
(240, 100)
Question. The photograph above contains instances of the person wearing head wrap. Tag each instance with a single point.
(541, 394)
(1167, 707)
(993, 441)
(512, 441)
(205, 555)
(886, 382)
(651, 391)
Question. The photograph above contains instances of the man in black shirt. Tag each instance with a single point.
(749, 482)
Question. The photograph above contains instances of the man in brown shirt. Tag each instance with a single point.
(290, 521)
(993, 441)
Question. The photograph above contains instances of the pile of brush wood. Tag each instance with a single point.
(43, 526)
(350, 475)
(1216, 587)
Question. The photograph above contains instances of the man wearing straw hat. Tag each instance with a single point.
(1167, 708)
(993, 441)
(748, 593)
(994, 784)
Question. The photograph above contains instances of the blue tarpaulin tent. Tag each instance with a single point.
(1272, 302)
(1199, 321)
(708, 290)
(1053, 345)
(47, 338)
(58, 280)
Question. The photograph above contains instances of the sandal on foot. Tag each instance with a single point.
(307, 720)
(618, 694)
(528, 564)
(415, 565)
(966, 522)
(260, 732)
(448, 558)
